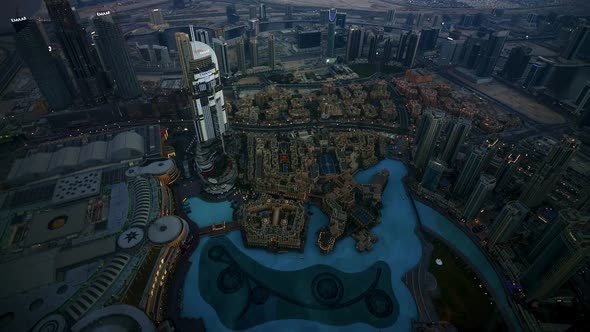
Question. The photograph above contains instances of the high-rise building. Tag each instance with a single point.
(289, 12)
(113, 52)
(387, 51)
(271, 51)
(254, 26)
(516, 64)
(372, 50)
(505, 173)
(341, 20)
(428, 39)
(578, 46)
(241, 54)
(75, 43)
(252, 11)
(536, 75)
(33, 47)
(582, 102)
(470, 172)
(353, 43)
(202, 36)
(221, 52)
(430, 126)
(456, 137)
(402, 45)
(433, 174)
(507, 223)
(436, 21)
(565, 218)
(331, 40)
(390, 19)
(491, 53)
(413, 44)
(450, 52)
(263, 14)
(201, 70)
(232, 14)
(161, 54)
(253, 52)
(146, 52)
(410, 19)
(156, 17)
(544, 180)
(563, 253)
(420, 20)
(324, 14)
(484, 187)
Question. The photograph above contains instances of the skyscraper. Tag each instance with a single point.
(390, 19)
(428, 39)
(484, 187)
(289, 12)
(241, 54)
(232, 14)
(456, 137)
(263, 14)
(470, 172)
(450, 52)
(113, 52)
(413, 44)
(433, 174)
(536, 75)
(271, 51)
(33, 47)
(341, 20)
(202, 36)
(492, 51)
(331, 40)
(507, 223)
(582, 102)
(436, 21)
(402, 45)
(544, 180)
(253, 51)
(220, 47)
(505, 173)
(75, 43)
(252, 11)
(156, 17)
(430, 126)
(353, 43)
(387, 50)
(254, 27)
(372, 51)
(206, 95)
(561, 255)
(578, 46)
(516, 64)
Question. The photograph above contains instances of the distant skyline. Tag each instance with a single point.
(9, 10)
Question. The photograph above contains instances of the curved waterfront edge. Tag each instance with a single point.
(506, 309)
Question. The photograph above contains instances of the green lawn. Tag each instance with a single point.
(462, 301)
(363, 69)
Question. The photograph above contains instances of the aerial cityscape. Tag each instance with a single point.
(277, 165)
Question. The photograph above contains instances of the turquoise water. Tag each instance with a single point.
(444, 228)
(398, 246)
(205, 214)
